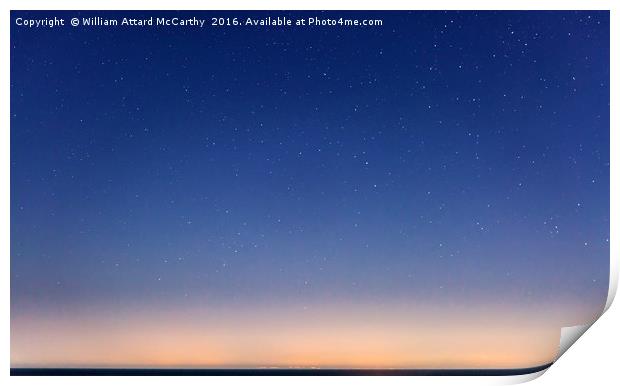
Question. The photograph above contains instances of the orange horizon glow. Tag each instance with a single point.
(390, 337)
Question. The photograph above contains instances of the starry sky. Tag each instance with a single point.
(432, 192)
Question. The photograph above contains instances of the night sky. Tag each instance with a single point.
(432, 192)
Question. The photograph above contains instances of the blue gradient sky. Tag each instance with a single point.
(441, 163)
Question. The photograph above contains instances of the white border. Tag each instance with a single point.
(7, 5)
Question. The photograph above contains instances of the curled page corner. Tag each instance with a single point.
(523, 378)
(613, 282)
(569, 335)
